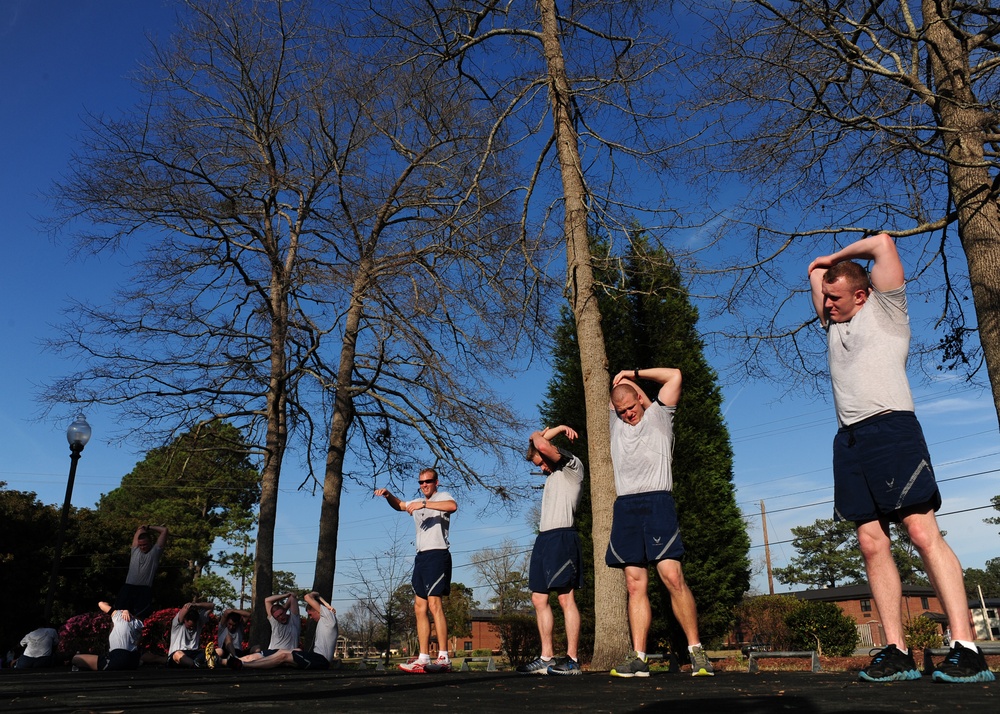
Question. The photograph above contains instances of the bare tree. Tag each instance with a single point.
(845, 117)
(505, 570)
(330, 256)
(360, 625)
(437, 291)
(377, 579)
(212, 180)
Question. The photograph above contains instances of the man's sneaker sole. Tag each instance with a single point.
(984, 676)
(437, 667)
(211, 659)
(702, 673)
(628, 675)
(907, 676)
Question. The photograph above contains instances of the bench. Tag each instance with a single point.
(753, 667)
(490, 665)
(990, 648)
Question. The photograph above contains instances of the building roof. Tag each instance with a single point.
(857, 592)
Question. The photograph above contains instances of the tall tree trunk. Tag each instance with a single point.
(340, 424)
(611, 639)
(964, 123)
(276, 438)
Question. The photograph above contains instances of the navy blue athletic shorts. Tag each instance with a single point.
(432, 573)
(310, 660)
(118, 659)
(556, 561)
(881, 465)
(644, 530)
(197, 655)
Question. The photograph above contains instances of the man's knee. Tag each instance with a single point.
(672, 575)
(636, 581)
(435, 605)
(566, 599)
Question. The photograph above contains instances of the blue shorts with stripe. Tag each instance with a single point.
(432, 573)
(644, 530)
(309, 660)
(556, 561)
(881, 465)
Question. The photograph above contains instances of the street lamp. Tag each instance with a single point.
(78, 434)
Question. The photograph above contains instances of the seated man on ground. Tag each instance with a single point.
(123, 644)
(324, 643)
(39, 649)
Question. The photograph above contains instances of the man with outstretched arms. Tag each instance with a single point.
(644, 525)
(556, 561)
(881, 466)
(431, 569)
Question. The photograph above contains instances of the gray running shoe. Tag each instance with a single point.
(537, 666)
(632, 667)
(565, 665)
(700, 664)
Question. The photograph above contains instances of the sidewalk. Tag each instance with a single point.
(226, 692)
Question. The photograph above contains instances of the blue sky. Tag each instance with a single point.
(62, 58)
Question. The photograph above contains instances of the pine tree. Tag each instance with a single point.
(649, 321)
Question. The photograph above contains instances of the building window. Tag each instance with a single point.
(468, 645)
(925, 603)
(866, 606)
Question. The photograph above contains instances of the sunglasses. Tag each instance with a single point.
(430, 480)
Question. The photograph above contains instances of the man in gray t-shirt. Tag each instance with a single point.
(431, 569)
(39, 649)
(882, 470)
(556, 560)
(123, 643)
(324, 642)
(185, 634)
(136, 595)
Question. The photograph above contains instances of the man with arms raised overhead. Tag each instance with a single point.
(881, 467)
(644, 528)
(556, 560)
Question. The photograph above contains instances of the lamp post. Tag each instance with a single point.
(78, 434)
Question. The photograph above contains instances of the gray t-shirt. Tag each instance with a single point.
(142, 566)
(868, 358)
(41, 642)
(181, 638)
(235, 636)
(124, 635)
(327, 632)
(285, 637)
(432, 526)
(561, 494)
(642, 454)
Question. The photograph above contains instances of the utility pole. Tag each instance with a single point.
(767, 550)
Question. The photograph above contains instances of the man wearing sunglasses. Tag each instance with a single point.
(431, 569)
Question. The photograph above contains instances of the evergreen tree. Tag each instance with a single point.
(828, 555)
(27, 537)
(649, 321)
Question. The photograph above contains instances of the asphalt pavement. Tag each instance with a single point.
(223, 691)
